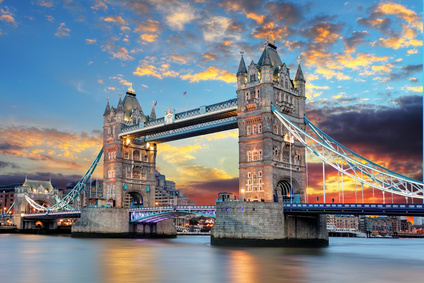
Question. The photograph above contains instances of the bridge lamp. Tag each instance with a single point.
(127, 141)
(147, 145)
(242, 194)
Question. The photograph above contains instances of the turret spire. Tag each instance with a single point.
(120, 104)
(107, 110)
(153, 113)
(299, 73)
(242, 66)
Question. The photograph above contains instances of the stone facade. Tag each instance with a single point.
(265, 224)
(129, 165)
(269, 158)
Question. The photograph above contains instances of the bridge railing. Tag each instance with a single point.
(181, 116)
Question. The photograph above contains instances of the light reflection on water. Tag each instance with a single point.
(33, 258)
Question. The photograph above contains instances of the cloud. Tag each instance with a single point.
(405, 72)
(50, 18)
(121, 80)
(205, 193)
(413, 88)
(116, 19)
(8, 164)
(178, 155)
(208, 56)
(391, 136)
(117, 51)
(215, 28)
(179, 15)
(148, 26)
(44, 3)
(145, 68)
(271, 30)
(7, 16)
(148, 37)
(180, 59)
(99, 5)
(51, 148)
(286, 12)
(212, 73)
(62, 31)
(90, 41)
(357, 38)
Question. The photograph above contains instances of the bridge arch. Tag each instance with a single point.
(288, 187)
(30, 209)
(136, 200)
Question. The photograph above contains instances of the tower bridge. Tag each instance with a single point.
(272, 209)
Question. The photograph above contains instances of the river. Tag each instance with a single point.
(36, 258)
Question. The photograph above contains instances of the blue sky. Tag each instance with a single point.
(61, 60)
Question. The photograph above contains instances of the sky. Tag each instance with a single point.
(61, 61)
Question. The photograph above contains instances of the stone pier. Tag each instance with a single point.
(265, 224)
(102, 222)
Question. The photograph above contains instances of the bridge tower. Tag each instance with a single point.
(129, 165)
(271, 162)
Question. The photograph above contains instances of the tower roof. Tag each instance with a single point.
(107, 110)
(299, 74)
(130, 103)
(242, 66)
(153, 113)
(270, 56)
(120, 105)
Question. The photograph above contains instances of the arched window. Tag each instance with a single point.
(260, 128)
(136, 155)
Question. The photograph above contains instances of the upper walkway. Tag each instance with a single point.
(203, 120)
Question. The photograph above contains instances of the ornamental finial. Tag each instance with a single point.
(299, 60)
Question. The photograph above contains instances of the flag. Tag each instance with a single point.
(185, 92)
(156, 103)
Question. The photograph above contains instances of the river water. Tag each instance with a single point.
(35, 258)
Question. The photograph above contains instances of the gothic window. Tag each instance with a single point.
(136, 155)
(257, 93)
(249, 156)
(246, 96)
(260, 154)
(254, 129)
(260, 128)
(276, 129)
(252, 94)
(255, 155)
(252, 78)
(146, 158)
(143, 176)
(260, 173)
(248, 130)
(126, 155)
(136, 174)
(249, 175)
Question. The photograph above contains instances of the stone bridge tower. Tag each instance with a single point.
(271, 162)
(129, 165)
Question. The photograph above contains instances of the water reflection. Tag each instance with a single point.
(31, 258)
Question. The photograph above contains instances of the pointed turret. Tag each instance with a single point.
(107, 110)
(299, 74)
(120, 107)
(153, 113)
(242, 66)
(267, 59)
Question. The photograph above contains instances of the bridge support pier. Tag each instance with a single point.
(112, 222)
(265, 224)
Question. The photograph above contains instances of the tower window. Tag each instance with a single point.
(260, 128)
(248, 130)
(276, 129)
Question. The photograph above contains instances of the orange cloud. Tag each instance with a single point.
(7, 16)
(270, 31)
(147, 69)
(117, 51)
(258, 18)
(116, 19)
(99, 5)
(148, 37)
(212, 73)
(51, 147)
(402, 12)
(180, 59)
(90, 41)
(148, 26)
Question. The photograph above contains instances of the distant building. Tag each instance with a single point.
(166, 194)
(7, 197)
(380, 225)
(343, 222)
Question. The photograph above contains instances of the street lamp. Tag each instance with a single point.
(242, 194)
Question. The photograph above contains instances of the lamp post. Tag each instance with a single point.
(242, 194)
